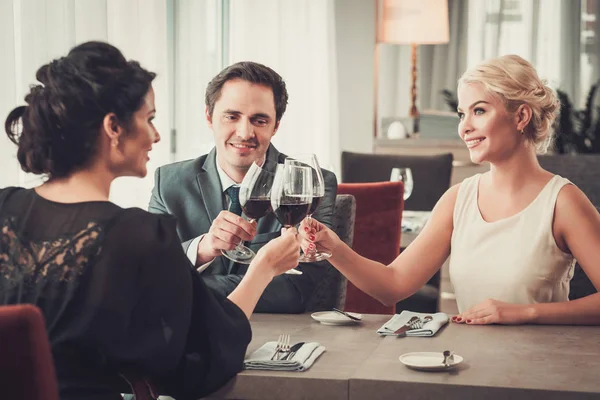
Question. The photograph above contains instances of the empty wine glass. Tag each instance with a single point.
(404, 175)
(255, 200)
(310, 160)
(291, 195)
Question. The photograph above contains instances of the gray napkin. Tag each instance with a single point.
(429, 328)
(301, 361)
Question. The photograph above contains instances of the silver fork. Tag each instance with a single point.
(418, 324)
(278, 347)
(283, 346)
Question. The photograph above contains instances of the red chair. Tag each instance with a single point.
(377, 232)
(26, 366)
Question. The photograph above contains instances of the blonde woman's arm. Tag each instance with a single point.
(408, 272)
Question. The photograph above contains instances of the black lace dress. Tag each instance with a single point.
(117, 293)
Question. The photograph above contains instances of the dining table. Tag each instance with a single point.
(499, 362)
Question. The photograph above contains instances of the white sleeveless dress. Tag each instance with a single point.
(514, 260)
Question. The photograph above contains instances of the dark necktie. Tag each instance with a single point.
(234, 195)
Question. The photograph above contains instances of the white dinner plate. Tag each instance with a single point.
(429, 361)
(335, 318)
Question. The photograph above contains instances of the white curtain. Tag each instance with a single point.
(546, 33)
(297, 39)
(33, 32)
(197, 59)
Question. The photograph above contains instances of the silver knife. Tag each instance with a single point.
(337, 310)
(293, 350)
(406, 327)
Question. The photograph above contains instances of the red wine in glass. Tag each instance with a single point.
(291, 195)
(257, 207)
(318, 191)
(255, 199)
(291, 213)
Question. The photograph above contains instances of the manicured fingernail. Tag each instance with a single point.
(311, 237)
(306, 229)
(454, 318)
(468, 321)
(458, 319)
(311, 246)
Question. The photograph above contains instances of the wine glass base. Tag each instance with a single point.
(242, 255)
(316, 257)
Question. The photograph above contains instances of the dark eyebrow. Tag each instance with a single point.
(474, 104)
(257, 115)
(261, 115)
(152, 111)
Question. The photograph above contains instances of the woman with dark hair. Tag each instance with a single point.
(117, 292)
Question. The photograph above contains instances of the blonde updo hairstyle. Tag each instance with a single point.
(514, 81)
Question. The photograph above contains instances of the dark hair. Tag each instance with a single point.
(63, 115)
(253, 73)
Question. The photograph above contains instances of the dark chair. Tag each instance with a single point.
(583, 171)
(331, 289)
(26, 366)
(376, 234)
(431, 174)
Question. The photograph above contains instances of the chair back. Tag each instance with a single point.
(431, 174)
(584, 171)
(331, 290)
(377, 231)
(26, 366)
(581, 169)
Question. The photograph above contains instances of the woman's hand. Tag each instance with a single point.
(316, 236)
(279, 255)
(496, 312)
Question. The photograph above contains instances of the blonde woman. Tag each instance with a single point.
(512, 233)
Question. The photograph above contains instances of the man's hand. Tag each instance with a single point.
(225, 233)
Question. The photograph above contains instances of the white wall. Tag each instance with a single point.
(355, 40)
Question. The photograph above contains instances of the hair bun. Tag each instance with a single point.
(516, 82)
(64, 113)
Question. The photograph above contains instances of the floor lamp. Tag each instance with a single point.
(412, 22)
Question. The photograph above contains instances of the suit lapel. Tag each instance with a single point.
(210, 188)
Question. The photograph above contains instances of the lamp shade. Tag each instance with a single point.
(412, 21)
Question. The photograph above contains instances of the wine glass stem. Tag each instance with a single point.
(240, 245)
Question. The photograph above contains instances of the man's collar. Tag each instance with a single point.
(226, 181)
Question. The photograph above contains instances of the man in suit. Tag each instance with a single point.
(244, 106)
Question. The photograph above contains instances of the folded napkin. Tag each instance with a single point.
(414, 221)
(430, 328)
(301, 361)
(409, 226)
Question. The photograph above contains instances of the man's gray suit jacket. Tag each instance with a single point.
(191, 191)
